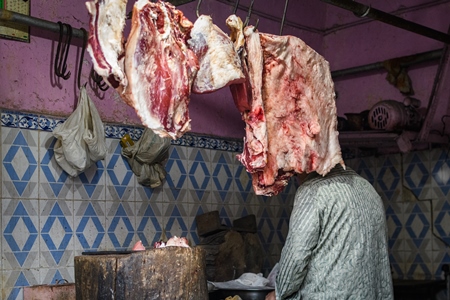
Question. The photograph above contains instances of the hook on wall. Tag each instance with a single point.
(80, 67)
(62, 51)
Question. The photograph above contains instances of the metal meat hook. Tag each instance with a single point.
(284, 17)
(197, 11)
(99, 80)
(249, 13)
(236, 6)
(80, 67)
(62, 51)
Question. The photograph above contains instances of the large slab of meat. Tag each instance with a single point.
(291, 126)
(160, 68)
(219, 63)
(105, 41)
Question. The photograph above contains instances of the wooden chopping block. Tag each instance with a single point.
(163, 273)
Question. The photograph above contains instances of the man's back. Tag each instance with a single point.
(337, 242)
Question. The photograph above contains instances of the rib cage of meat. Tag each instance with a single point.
(160, 68)
(297, 109)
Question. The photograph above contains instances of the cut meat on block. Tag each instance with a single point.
(297, 108)
(219, 63)
(160, 68)
(105, 41)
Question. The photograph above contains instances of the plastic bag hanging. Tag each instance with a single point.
(146, 158)
(81, 138)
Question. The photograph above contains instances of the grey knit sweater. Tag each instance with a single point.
(337, 242)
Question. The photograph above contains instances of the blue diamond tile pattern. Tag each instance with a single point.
(222, 177)
(20, 213)
(176, 216)
(416, 170)
(56, 184)
(149, 215)
(90, 214)
(119, 186)
(176, 173)
(283, 223)
(418, 263)
(200, 169)
(20, 282)
(57, 277)
(20, 182)
(441, 173)
(193, 229)
(388, 179)
(243, 181)
(445, 261)
(417, 216)
(395, 233)
(90, 184)
(121, 215)
(396, 267)
(56, 251)
(224, 218)
(365, 172)
(265, 226)
(443, 231)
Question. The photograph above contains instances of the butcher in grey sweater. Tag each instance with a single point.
(336, 247)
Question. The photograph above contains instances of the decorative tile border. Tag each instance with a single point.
(115, 131)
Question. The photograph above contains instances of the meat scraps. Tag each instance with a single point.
(173, 241)
(219, 63)
(160, 68)
(105, 41)
(292, 124)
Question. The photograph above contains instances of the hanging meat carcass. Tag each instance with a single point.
(219, 63)
(105, 41)
(160, 68)
(155, 70)
(291, 126)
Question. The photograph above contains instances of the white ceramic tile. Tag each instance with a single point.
(120, 179)
(54, 182)
(416, 174)
(89, 226)
(20, 169)
(120, 225)
(149, 222)
(199, 171)
(57, 233)
(20, 239)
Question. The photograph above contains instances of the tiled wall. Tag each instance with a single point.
(48, 218)
(415, 191)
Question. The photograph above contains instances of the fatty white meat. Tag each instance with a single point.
(219, 63)
(105, 40)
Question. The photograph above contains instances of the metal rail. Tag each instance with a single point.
(14, 17)
(362, 10)
(409, 61)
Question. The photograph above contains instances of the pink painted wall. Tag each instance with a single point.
(27, 82)
(363, 41)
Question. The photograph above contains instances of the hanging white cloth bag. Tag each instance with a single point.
(81, 138)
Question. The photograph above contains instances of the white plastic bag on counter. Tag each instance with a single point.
(146, 158)
(81, 138)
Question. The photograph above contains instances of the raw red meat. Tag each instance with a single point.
(219, 62)
(138, 246)
(105, 42)
(160, 68)
(297, 109)
(173, 241)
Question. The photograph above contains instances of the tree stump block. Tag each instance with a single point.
(164, 273)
